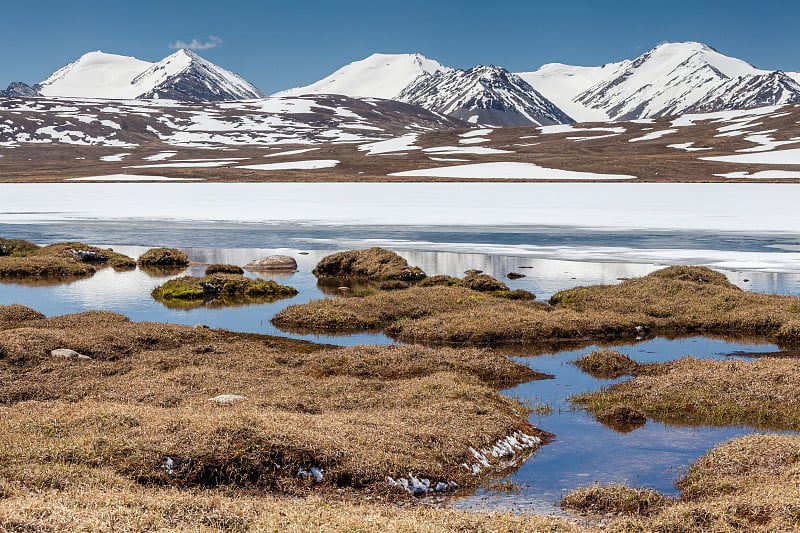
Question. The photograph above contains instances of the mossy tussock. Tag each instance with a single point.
(377, 264)
(220, 289)
(672, 301)
(25, 260)
(163, 257)
(360, 414)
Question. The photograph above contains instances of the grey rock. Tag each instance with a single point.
(227, 398)
(68, 354)
(272, 262)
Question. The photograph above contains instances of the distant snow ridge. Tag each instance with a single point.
(377, 76)
(181, 76)
(486, 95)
(671, 79)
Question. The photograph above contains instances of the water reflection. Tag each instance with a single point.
(585, 451)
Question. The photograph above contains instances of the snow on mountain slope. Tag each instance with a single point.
(487, 95)
(182, 76)
(186, 76)
(377, 76)
(667, 80)
(773, 88)
(561, 84)
(96, 75)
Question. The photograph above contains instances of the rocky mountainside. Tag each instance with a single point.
(486, 95)
(182, 76)
(377, 76)
(20, 89)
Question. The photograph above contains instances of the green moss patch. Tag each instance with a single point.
(220, 289)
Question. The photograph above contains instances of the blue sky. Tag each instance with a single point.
(278, 45)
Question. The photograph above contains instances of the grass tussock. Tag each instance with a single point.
(224, 269)
(615, 499)
(220, 289)
(375, 264)
(163, 257)
(671, 301)
(16, 247)
(745, 484)
(764, 393)
(25, 261)
(607, 364)
(139, 410)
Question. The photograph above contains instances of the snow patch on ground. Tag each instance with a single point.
(775, 157)
(195, 164)
(295, 165)
(291, 152)
(114, 157)
(508, 170)
(455, 150)
(503, 452)
(652, 135)
(421, 486)
(398, 144)
(161, 156)
(763, 175)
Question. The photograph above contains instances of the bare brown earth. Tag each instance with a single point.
(587, 151)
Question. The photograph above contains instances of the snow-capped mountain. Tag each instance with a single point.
(182, 76)
(561, 84)
(671, 79)
(188, 77)
(377, 76)
(486, 95)
(18, 88)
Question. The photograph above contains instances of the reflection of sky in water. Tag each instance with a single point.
(584, 451)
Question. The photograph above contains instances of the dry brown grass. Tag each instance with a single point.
(764, 393)
(374, 263)
(163, 257)
(607, 364)
(617, 499)
(671, 301)
(127, 508)
(361, 413)
(25, 261)
(223, 269)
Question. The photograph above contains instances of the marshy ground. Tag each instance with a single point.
(130, 440)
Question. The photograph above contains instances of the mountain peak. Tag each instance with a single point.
(484, 94)
(183, 75)
(377, 76)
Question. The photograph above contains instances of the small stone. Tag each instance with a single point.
(227, 398)
(514, 275)
(65, 352)
(272, 262)
(201, 326)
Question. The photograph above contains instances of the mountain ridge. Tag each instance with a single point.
(182, 75)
